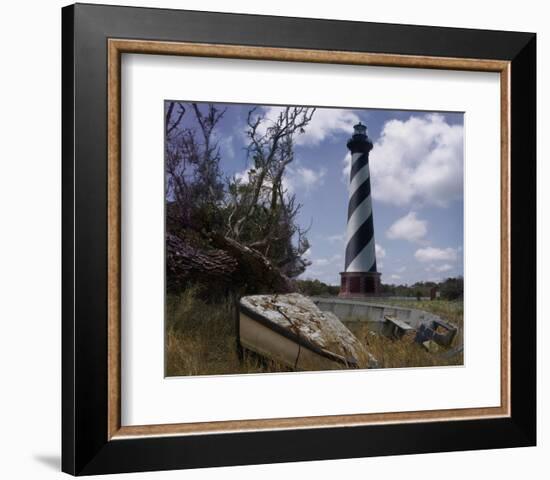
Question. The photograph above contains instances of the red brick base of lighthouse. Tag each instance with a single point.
(359, 284)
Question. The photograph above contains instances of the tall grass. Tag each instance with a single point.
(392, 353)
(201, 339)
(400, 353)
(451, 311)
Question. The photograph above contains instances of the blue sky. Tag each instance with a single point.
(416, 183)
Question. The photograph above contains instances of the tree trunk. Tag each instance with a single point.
(185, 262)
(255, 273)
(230, 264)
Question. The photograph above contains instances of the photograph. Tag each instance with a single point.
(311, 238)
(286, 237)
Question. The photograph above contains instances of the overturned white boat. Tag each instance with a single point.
(290, 329)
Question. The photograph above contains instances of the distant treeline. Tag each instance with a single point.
(450, 289)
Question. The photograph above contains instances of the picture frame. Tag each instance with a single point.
(93, 39)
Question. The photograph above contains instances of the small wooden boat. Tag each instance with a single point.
(290, 329)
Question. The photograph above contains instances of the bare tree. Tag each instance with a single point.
(243, 233)
(193, 177)
(262, 214)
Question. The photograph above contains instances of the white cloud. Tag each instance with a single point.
(418, 160)
(409, 227)
(303, 178)
(322, 262)
(395, 277)
(311, 178)
(242, 177)
(432, 254)
(295, 179)
(338, 238)
(325, 269)
(380, 251)
(347, 168)
(439, 268)
(325, 123)
(226, 147)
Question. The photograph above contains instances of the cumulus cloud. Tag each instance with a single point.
(380, 251)
(446, 267)
(409, 227)
(302, 178)
(418, 160)
(326, 123)
(242, 177)
(338, 238)
(347, 168)
(295, 178)
(322, 262)
(324, 269)
(432, 254)
(395, 276)
(225, 145)
(443, 268)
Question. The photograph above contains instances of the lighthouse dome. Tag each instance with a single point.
(360, 129)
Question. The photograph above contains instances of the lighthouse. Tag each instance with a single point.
(360, 277)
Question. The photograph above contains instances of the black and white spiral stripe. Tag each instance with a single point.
(360, 247)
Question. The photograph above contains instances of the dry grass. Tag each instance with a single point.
(201, 339)
(451, 311)
(400, 353)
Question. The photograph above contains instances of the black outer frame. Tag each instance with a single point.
(85, 449)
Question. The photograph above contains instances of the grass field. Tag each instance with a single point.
(201, 339)
(400, 354)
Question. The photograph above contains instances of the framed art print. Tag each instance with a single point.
(292, 239)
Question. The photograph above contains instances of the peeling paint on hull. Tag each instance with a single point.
(291, 330)
(270, 344)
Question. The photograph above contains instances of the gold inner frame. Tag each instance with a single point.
(116, 47)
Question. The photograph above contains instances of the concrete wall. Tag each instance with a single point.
(362, 311)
